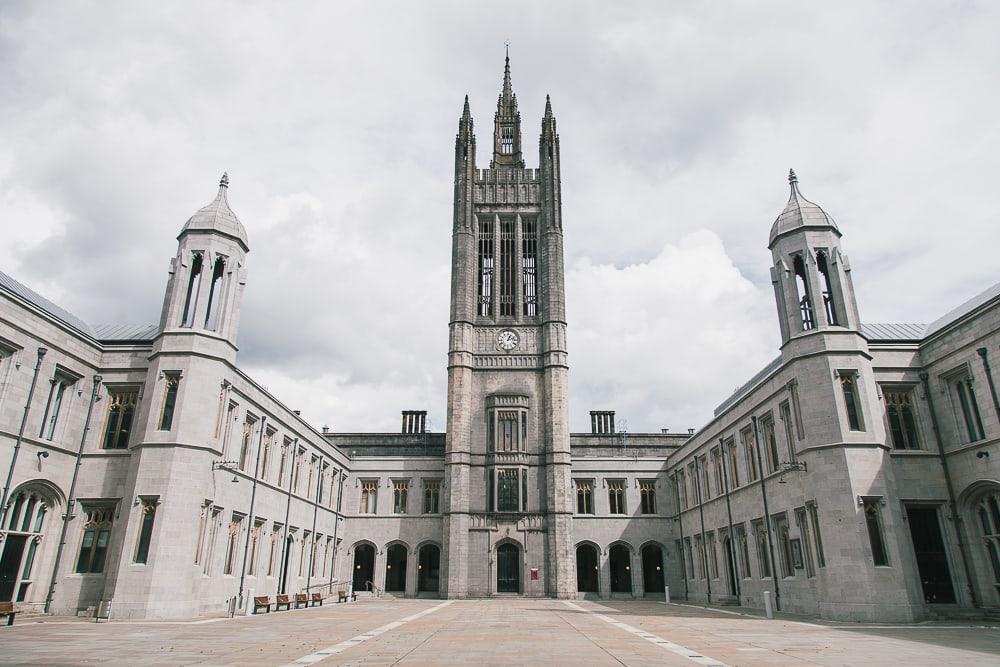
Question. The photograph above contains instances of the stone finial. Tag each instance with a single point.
(224, 181)
(548, 106)
(465, 109)
(792, 178)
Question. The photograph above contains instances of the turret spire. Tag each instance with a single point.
(507, 123)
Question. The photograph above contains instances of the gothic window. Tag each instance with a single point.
(147, 517)
(506, 139)
(194, 285)
(227, 432)
(255, 535)
(743, 550)
(121, 409)
(780, 524)
(964, 400)
(616, 496)
(507, 258)
(313, 460)
(232, 543)
(770, 442)
(802, 290)
(265, 455)
(486, 259)
(507, 422)
(215, 295)
(61, 381)
(824, 274)
(699, 547)
(529, 258)
(814, 520)
(713, 556)
(507, 490)
(96, 536)
(206, 551)
(734, 466)
(273, 552)
(749, 453)
(584, 496)
(647, 496)
(302, 551)
(171, 382)
(760, 539)
(297, 468)
(246, 443)
(507, 430)
(717, 470)
(706, 488)
(286, 447)
(803, 524)
(900, 415)
(25, 519)
(852, 402)
(689, 557)
(988, 511)
(681, 484)
(692, 478)
(400, 491)
(369, 496)
(876, 536)
(432, 496)
(785, 411)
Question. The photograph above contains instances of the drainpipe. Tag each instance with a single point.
(312, 548)
(253, 499)
(288, 508)
(951, 489)
(336, 525)
(20, 436)
(72, 492)
(767, 517)
(989, 380)
(704, 542)
(733, 570)
(680, 525)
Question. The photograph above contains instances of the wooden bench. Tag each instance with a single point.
(342, 596)
(316, 599)
(301, 600)
(282, 600)
(7, 609)
(262, 602)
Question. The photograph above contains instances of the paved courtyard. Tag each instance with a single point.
(495, 632)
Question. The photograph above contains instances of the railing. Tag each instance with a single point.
(373, 589)
(327, 587)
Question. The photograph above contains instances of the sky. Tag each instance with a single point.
(336, 123)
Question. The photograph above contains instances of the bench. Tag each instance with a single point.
(7, 609)
(282, 600)
(316, 599)
(262, 602)
(342, 596)
(301, 600)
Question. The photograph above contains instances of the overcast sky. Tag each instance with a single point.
(336, 122)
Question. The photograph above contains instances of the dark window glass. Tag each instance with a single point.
(873, 520)
(169, 401)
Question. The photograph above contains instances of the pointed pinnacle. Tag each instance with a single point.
(224, 181)
(465, 109)
(792, 178)
(548, 107)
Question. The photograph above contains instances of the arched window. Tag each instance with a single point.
(215, 295)
(802, 290)
(96, 536)
(194, 284)
(25, 523)
(824, 272)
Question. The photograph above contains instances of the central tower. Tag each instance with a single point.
(508, 511)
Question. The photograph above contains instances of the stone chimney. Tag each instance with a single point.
(602, 422)
(414, 421)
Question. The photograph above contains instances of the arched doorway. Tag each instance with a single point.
(508, 568)
(620, 562)
(429, 569)
(364, 566)
(395, 568)
(587, 569)
(652, 569)
(26, 523)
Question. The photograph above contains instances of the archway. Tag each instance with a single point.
(981, 504)
(395, 568)
(652, 569)
(364, 566)
(621, 569)
(587, 569)
(429, 569)
(29, 506)
(508, 568)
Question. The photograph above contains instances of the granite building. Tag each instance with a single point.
(852, 478)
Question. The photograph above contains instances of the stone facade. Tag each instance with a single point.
(855, 477)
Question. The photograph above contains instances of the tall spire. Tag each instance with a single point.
(465, 110)
(507, 105)
(507, 123)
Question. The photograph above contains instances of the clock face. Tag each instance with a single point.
(507, 339)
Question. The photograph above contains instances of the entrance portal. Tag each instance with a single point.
(652, 569)
(395, 568)
(508, 568)
(364, 566)
(932, 562)
(621, 569)
(429, 569)
(586, 569)
(10, 563)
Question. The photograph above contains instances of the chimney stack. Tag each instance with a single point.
(414, 421)
(602, 422)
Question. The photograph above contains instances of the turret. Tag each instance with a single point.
(507, 126)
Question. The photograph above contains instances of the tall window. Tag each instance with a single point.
(286, 447)
(432, 496)
(171, 382)
(310, 489)
(584, 496)
(802, 289)
(616, 496)
(966, 401)
(96, 536)
(780, 524)
(852, 402)
(814, 520)
(265, 455)
(297, 468)
(785, 411)
(713, 556)
(760, 539)
(706, 488)
(734, 464)
(232, 544)
(689, 555)
(742, 549)
(255, 539)
(506, 139)
(121, 409)
(273, 552)
(400, 491)
(194, 285)
(681, 482)
(369, 496)
(207, 552)
(215, 295)
(749, 453)
(507, 488)
(647, 495)
(486, 263)
(529, 258)
(803, 524)
(507, 430)
(770, 442)
(148, 515)
(246, 443)
(699, 547)
(507, 257)
(25, 519)
(824, 275)
(901, 417)
(717, 470)
(53, 407)
(988, 511)
(876, 536)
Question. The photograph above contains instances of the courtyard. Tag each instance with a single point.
(493, 632)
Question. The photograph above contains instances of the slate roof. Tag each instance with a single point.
(895, 332)
(981, 299)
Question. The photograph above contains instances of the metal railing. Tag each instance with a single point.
(373, 589)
